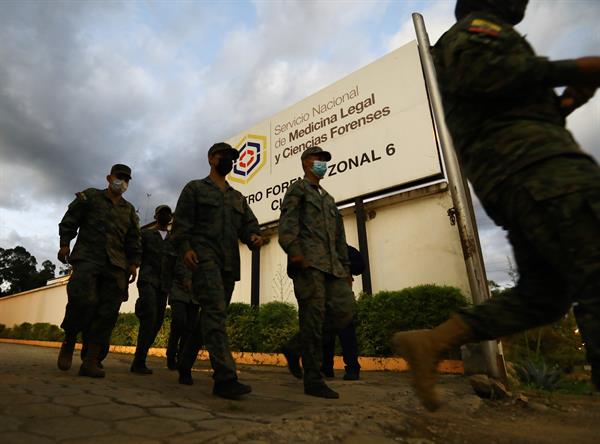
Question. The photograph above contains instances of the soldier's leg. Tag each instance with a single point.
(340, 309)
(112, 289)
(309, 289)
(178, 320)
(328, 353)
(189, 348)
(214, 291)
(146, 312)
(82, 300)
(210, 292)
(349, 344)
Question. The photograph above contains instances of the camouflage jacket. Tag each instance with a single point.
(158, 260)
(104, 230)
(499, 101)
(181, 274)
(311, 225)
(211, 221)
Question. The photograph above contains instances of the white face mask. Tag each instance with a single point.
(119, 186)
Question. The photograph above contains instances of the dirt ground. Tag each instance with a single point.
(39, 404)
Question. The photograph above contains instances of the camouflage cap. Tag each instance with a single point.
(162, 208)
(316, 150)
(120, 168)
(224, 147)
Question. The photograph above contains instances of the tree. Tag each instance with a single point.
(18, 271)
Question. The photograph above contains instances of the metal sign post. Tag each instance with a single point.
(462, 212)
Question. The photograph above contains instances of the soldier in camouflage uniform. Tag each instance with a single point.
(311, 232)
(209, 220)
(530, 175)
(106, 255)
(184, 314)
(154, 284)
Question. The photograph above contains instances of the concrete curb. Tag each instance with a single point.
(277, 359)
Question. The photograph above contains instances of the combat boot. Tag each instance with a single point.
(321, 391)
(89, 367)
(422, 350)
(139, 367)
(171, 362)
(352, 374)
(230, 389)
(65, 355)
(185, 376)
(293, 361)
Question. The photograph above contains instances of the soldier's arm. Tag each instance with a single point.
(483, 62)
(289, 222)
(133, 240)
(249, 224)
(68, 226)
(183, 221)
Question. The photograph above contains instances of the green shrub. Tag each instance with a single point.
(43, 331)
(539, 375)
(126, 330)
(382, 314)
(242, 327)
(22, 331)
(277, 323)
(2, 328)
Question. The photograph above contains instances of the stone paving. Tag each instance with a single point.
(41, 404)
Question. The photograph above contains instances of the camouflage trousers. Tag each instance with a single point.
(551, 211)
(183, 319)
(325, 306)
(212, 290)
(95, 293)
(150, 310)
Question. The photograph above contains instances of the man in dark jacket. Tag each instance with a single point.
(154, 284)
(508, 128)
(106, 255)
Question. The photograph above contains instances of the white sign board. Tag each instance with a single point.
(375, 122)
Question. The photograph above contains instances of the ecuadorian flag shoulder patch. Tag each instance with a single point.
(482, 26)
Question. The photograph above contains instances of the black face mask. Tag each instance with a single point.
(224, 167)
(163, 218)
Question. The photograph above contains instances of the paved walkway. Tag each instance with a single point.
(40, 404)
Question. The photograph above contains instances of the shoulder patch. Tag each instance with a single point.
(81, 196)
(486, 27)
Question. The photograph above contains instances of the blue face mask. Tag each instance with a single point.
(319, 168)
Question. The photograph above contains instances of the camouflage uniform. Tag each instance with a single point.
(154, 283)
(311, 225)
(183, 313)
(528, 172)
(210, 222)
(108, 242)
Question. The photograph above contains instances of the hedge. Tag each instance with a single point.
(266, 328)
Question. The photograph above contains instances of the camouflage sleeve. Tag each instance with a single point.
(183, 221)
(249, 223)
(133, 240)
(68, 226)
(340, 243)
(476, 62)
(289, 222)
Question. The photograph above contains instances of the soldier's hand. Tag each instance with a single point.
(63, 254)
(589, 69)
(190, 259)
(298, 261)
(256, 240)
(132, 272)
(350, 279)
(575, 96)
(187, 285)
